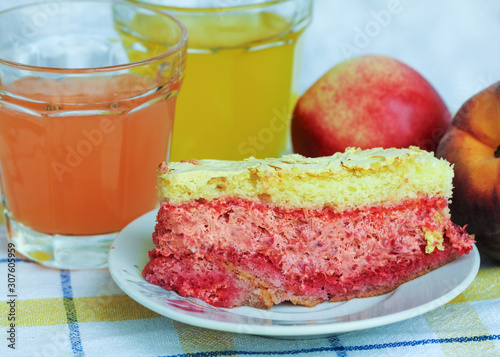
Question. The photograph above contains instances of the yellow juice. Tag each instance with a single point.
(238, 92)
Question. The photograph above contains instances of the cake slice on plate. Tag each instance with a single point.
(305, 230)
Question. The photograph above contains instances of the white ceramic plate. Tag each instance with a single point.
(129, 254)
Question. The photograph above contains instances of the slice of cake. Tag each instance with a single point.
(305, 230)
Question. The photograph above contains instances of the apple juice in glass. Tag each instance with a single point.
(82, 127)
(241, 87)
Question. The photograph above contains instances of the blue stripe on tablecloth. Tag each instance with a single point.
(345, 348)
(17, 260)
(335, 342)
(71, 315)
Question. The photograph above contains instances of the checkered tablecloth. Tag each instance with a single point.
(83, 313)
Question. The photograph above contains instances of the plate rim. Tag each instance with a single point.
(296, 330)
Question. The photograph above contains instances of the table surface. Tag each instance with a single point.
(84, 313)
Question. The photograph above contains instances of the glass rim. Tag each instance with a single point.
(181, 43)
(200, 9)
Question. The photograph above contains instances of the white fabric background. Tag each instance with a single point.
(454, 44)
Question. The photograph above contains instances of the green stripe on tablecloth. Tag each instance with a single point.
(460, 320)
(196, 340)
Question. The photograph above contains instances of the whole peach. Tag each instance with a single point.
(369, 101)
(472, 144)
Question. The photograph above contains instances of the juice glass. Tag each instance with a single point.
(241, 87)
(83, 127)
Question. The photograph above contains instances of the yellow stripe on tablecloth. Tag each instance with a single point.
(460, 320)
(195, 339)
(110, 308)
(44, 312)
(485, 286)
(35, 312)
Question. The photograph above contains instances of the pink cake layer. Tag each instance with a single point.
(232, 252)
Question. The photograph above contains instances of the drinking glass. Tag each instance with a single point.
(83, 126)
(241, 87)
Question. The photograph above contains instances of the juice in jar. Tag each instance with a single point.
(79, 169)
(239, 89)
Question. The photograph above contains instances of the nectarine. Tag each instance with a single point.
(366, 102)
(472, 144)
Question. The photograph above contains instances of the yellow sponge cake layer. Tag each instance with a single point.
(354, 178)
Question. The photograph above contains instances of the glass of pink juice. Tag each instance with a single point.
(82, 126)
